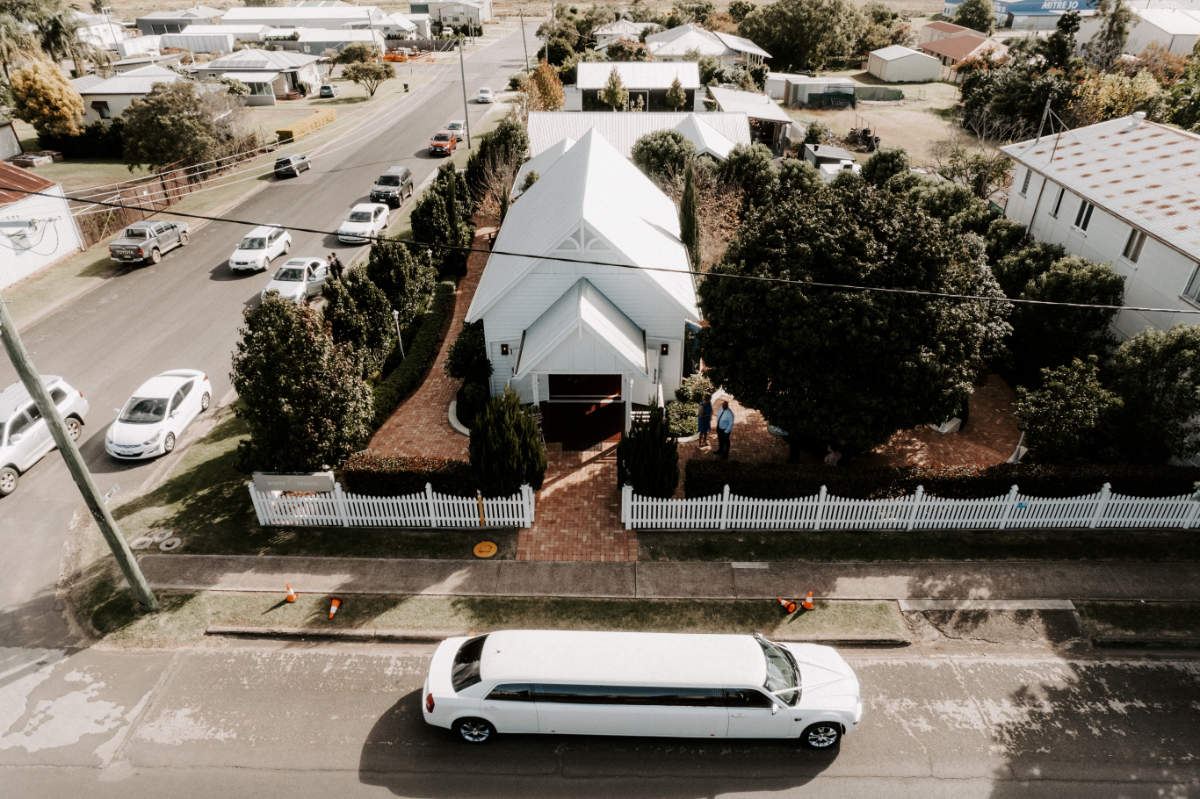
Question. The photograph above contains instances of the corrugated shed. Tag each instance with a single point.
(13, 179)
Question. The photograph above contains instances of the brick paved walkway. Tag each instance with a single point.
(420, 426)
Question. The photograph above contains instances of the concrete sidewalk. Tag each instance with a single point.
(1077, 580)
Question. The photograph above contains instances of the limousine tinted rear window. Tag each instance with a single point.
(630, 695)
(465, 672)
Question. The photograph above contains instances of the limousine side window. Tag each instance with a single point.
(466, 664)
(630, 695)
(746, 697)
(512, 692)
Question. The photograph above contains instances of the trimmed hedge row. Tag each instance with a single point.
(402, 380)
(390, 476)
(779, 481)
(305, 125)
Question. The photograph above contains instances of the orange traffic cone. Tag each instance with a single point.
(807, 604)
(334, 604)
(788, 605)
(291, 595)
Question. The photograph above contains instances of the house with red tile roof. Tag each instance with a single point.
(36, 226)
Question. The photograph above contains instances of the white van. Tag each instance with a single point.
(645, 684)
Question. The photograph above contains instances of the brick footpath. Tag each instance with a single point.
(421, 426)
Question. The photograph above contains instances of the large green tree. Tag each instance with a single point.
(976, 14)
(370, 74)
(1157, 376)
(1107, 45)
(750, 170)
(359, 315)
(689, 217)
(663, 156)
(1065, 418)
(301, 395)
(43, 97)
(440, 217)
(614, 95)
(176, 122)
(406, 276)
(495, 160)
(841, 366)
(804, 34)
(648, 456)
(506, 447)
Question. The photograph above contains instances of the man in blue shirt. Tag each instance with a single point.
(724, 428)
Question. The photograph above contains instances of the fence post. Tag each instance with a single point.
(627, 506)
(725, 508)
(527, 504)
(339, 505)
(1008, 507)
(258, 508)
(1101, 504)
(429, 504)
(479, 505)
(912, 511)
(821, 496)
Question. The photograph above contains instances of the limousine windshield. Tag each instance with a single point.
(783, 673)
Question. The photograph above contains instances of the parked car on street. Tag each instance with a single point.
(24, 437)
(485, 95)
(290, 166)
(393, 186)
(442, 143)
(157, 414)
(458, 127)
(364, 221)
(298, 279)
(261, 245)
(145, 242)
(645, 684)
(328, 90)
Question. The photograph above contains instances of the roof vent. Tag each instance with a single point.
(1135, 119)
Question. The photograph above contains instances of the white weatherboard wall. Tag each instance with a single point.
(55, 237)
(1013, 511)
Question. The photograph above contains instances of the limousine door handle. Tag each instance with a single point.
(738, 715)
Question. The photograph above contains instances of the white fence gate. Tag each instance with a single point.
(914, 512)
(337, 508)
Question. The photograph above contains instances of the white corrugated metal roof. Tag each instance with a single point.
(339, 34)
(740, 44)
(622, 129)
(582, 308)
(679, 40)
(1142, 172)
(251, 77)
(894, 51)
(1175, 21)
(623, 27)
(592, 199)
(235, 30)
(638, 74)
(707, 140)
(256, 60)
(135, 81)
(541, 162)
(278, 14)
(752, 104)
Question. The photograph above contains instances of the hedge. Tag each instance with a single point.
(302, 127)
(97, 140)
(402, 380)
(391, 476)
(778, 480)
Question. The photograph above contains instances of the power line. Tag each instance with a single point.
(848, 287)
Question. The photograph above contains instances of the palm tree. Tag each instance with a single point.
(59, 36)
(16, 43)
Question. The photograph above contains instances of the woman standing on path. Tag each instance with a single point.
(704, 419)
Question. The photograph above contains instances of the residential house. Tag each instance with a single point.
(455, 13)
(830, 161)
(398, 26)
(1124, 192)
(622, 30)
(138, 46)
(316, 41)
(209, 39)
(35, 230)
(647, 80)
(164, 60)
(572, 319)
(1174, 29)
(99, 30)
(898, 64)
(324, 16)
(679, 43)
(108, 98)
(268, 73)
(176, 21)
(768, 122)
(952, 51)
(824, 91)
(422, 22)
(940, 29)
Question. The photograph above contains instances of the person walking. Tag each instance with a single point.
(335, 266)
(724, 429)
(704, 419)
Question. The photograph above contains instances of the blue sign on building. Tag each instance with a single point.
(1038, 8)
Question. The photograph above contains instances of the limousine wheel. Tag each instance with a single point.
(475, 731)
(821, 736)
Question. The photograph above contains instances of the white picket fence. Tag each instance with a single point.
(337, 508)
(914, 512)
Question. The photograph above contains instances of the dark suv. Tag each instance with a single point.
(393, 186)
(290, 166)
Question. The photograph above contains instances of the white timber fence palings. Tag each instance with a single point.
(428, 508)
(918, 511)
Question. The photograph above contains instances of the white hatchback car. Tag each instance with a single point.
(157, 414)
(260, 246)
(24, 437)
(485, 95)
(364, 221)
(298, 279)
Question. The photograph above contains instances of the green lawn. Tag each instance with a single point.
(85, 172)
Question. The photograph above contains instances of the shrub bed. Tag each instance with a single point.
(314, 121)
(399, 381)
(783, 480)
(681, 417)
(97, 140)
(391, 476)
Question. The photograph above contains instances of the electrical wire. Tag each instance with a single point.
(845, 287)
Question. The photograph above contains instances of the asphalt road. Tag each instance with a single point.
(301, 722)
(185, 312)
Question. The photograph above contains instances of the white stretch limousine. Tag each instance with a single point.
(652, 684)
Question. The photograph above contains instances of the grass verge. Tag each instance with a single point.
(205, 502)
(1141, 620)
(934, 545)
(184, 617)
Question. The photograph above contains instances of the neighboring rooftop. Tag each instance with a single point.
(1142, 172)
(679, 40)
(950, 27)
(195, 12)
(894, 51)
(710, 132)
(963, 46)
(1175, 21)
(752, 104)
(740, 44)
(638, 74)
(252, 59)
(135, 81)
(19, 178)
